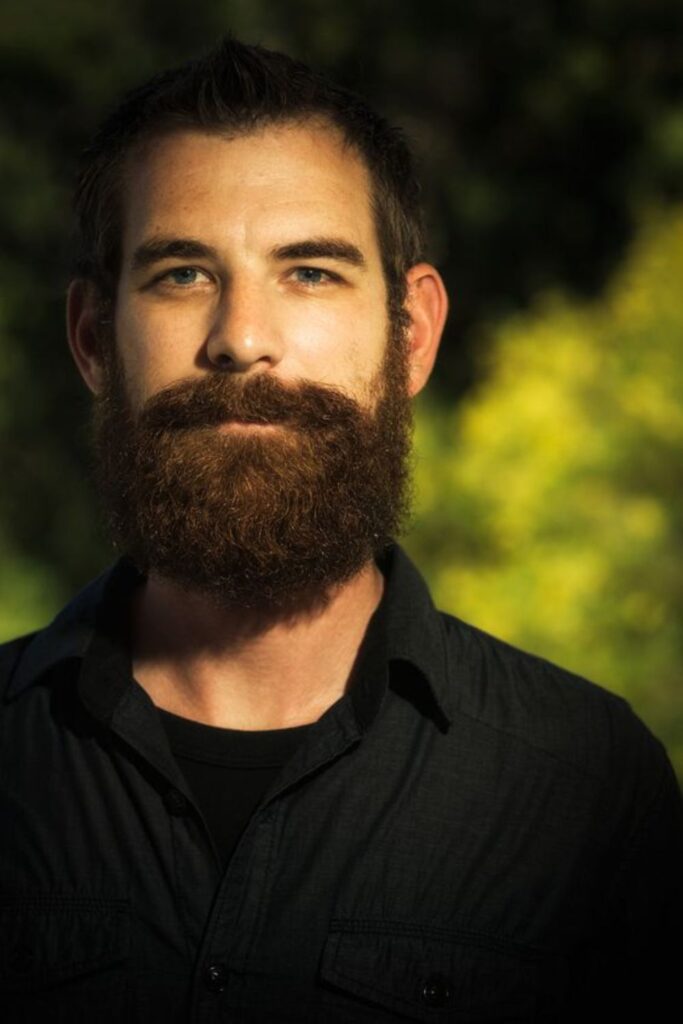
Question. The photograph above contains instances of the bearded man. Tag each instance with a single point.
(250, 773)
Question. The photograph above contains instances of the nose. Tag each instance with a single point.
(244, 335)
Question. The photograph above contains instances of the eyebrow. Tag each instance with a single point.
(320, 248)
(156, 249)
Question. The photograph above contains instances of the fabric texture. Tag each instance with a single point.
(228, 771)
(469, 834)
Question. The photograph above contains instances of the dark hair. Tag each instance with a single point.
(237, 88)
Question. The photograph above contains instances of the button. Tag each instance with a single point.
(176, 802)
(216, 977)
(437, 990)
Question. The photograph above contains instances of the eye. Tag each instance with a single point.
(182, 276)
(313, 276)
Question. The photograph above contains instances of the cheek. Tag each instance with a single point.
(154, 349)
(337, 345)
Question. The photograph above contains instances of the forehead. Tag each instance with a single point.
(256, 188)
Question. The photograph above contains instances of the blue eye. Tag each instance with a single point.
(183, 275)
(312, 275)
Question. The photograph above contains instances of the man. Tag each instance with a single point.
(250, 774)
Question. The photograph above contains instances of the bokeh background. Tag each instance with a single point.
(549, 447)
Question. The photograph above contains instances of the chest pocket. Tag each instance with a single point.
(61, 959)
(413, 973)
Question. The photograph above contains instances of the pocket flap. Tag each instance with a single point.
(429, 976)
(45, 939)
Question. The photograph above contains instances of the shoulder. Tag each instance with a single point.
(25, 659)
(563, 716)
(10, 654)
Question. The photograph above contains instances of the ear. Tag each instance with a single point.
(85, 331)
(427, 306)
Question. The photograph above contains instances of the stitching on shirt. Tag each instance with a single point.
(453, 624)
(321, 756)
(479, 938)
(267, 883)
(111, 955)
(94, 906)
(216, 920)
(578, 768)
(57, 900)
(183, 913)
(375, 991)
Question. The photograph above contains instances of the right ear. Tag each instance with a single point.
(85, 332)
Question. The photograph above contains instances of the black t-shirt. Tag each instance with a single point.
(228, 771)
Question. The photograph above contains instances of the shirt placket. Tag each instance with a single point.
(194, 858)
(241, 909)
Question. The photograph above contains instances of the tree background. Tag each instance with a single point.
(549, 458)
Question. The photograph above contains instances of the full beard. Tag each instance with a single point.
(260, 519)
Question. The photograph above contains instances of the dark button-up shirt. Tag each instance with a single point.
(469, 834)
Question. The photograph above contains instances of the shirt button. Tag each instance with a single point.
(215, 977)
(437, 990)
(176, 803)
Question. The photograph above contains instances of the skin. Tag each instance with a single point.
(248, 304)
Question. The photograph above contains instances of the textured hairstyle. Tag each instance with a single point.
(235, 89)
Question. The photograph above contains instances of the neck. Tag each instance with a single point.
(249, 669)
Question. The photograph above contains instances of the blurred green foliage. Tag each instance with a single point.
(549, 506)
(548, 498)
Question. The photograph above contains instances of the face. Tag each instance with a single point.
(249, 255)
(253, 432)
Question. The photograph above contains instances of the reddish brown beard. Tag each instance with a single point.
(265, 520)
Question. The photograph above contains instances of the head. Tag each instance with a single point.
(251, 309)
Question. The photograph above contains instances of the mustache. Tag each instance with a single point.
(210, 401)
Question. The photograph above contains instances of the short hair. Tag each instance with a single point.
(235, 89)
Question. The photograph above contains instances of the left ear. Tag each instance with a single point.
(427, 306)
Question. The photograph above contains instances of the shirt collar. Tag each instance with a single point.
(67, 636)
(406, 631)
